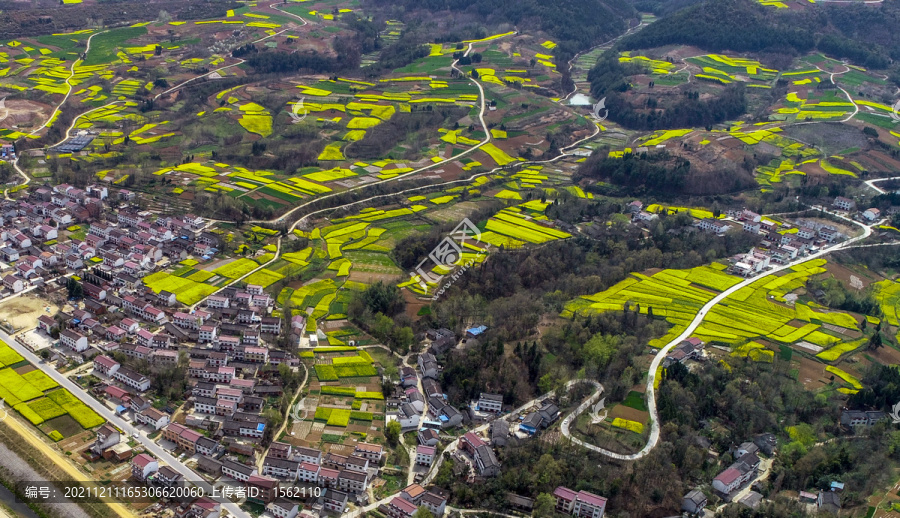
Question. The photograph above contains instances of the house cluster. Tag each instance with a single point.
(235, 321)
(781, 247)
(408, 402)
(146, 469)
(343, 478)
(541, 418)
(635, 209)
(740, 472)
(410, 499)
(870, 215)
(690, 349)
(121, 249)
(484, 459)
(29, 228)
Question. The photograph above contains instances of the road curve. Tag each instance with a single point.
(486, 140)
(871, 183)
(15, 163)
(68, 84)
(689, 330)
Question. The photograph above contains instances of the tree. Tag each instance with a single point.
(875, 342)
(549, 471)
(76, 291)
(423, 512)
(392, 433)
(383, 298)
(274, 418)
(544, 506)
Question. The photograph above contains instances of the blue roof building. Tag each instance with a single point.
(475, 331)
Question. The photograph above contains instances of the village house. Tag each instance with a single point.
(713, 225)
(107, 437)
(142, 466)
(286, 469)
(283, 508)
(153, 417)
(105, 365)
(844, 204)
(334, 501)
(425, 455)
(582, 504)
(132, 379)
(854, 418)
(737, 474)
(73, 340)
(694, 502)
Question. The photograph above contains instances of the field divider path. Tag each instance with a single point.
(689, 330)
(302, 19)
(120, 423)
(55, 456)
(15, 163)
(68, 83)
(262, 458)
(240, 61)
(609, 43)
(487, 140)
(242, 277)
(845, 92)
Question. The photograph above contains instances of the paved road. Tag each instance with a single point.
(87, 49)
(239, 62)
(486, 140)
(242, 277)
(15, 163)
(871, 183)
(119, 422)
(287, 417)
(609, 43)
(689, 330)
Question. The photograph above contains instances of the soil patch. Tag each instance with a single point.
(23, 312)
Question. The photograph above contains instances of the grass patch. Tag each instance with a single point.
(635, 400)
(105, 45)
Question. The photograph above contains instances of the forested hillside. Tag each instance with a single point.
(575, 25)
(864, 35)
